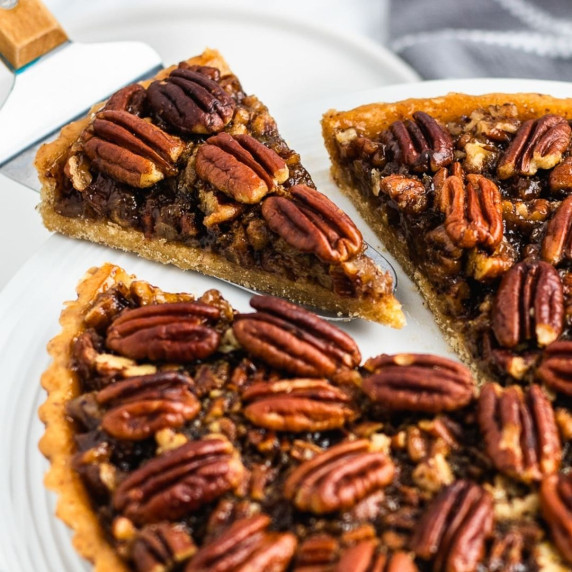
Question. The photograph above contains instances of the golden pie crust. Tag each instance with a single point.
(49, 163)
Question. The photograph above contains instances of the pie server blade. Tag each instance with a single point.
(54, 84)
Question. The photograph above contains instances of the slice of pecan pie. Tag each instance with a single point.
(188, 169)
(472, 195)
(185, 436)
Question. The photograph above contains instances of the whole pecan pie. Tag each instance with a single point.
(183, 435)
(190, 170)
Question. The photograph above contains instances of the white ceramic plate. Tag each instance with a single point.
(31, 538)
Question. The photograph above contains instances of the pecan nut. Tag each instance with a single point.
(560, 178)
(420, 143)
(519, 431)
(141, 406)
(240, 166)
(294, 340)
(538, 144)
(130, 98)
(473, 212)
(453, 530)
(408, 194)
(177, 332)
(179, 481)
(555, 369)
(339, 478)
(529, 305)
(557, 243)
(418, 382)
(311, 222)
(298, 405)
(161, 546)
(246, 545)
(556, 506)
(189, 101)
(130, 149)
(363, 557)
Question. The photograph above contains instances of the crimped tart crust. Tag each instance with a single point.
(241, 245)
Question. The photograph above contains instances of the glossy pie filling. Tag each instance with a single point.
(212, 440)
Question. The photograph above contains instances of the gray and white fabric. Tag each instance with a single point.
(484, 38)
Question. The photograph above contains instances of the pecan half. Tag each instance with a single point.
(557, 243)
(246, 545)
(130, 98)
(453, 530)
(560, 178)
(555, 369)
(171, 332)
(408, 194)
(473, 212)
(363, 558)
(529, 305)
(418, 382)
(311, 222)
(519, 431)
(141, 406)
(420, 143)
(298, 405)
(556, 506)
(161, 547)
(191, 102)
(538, 144)
(130, 149)
(179, 481)
(339, 478)
(294, 340)
(240, 167)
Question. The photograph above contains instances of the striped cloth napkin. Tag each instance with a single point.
(484, 38)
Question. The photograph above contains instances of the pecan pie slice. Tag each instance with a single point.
(185, 436)
(188, 169)
(472, 195)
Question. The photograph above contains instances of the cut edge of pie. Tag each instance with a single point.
(371, 119)
(57, 443)
(50, 162)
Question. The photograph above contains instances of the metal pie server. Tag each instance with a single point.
(54, 80)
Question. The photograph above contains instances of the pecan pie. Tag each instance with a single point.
(189, 169)
(183, 435)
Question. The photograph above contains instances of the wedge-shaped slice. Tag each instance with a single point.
(472, 195)
(188, 169)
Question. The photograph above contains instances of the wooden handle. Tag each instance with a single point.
(27, 31)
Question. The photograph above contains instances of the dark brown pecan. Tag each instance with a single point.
(560, 178)
(240, 167)
(473, 212)
(420, 143)
(179, 481)
(298, 405)
(161, 547)
(190, 102)
(140, 406)
(311, 222)
(529, 305)
(538, 144)
(408, 194)
(363, 558)
(131, 98)
(246, 545)
(557, 243)
(555, 369)
(418, 382)
(453, 530)
(519, 431)
(294, 340)
(130, 149)
(556, 506)
(339, 478)
(176, 332)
